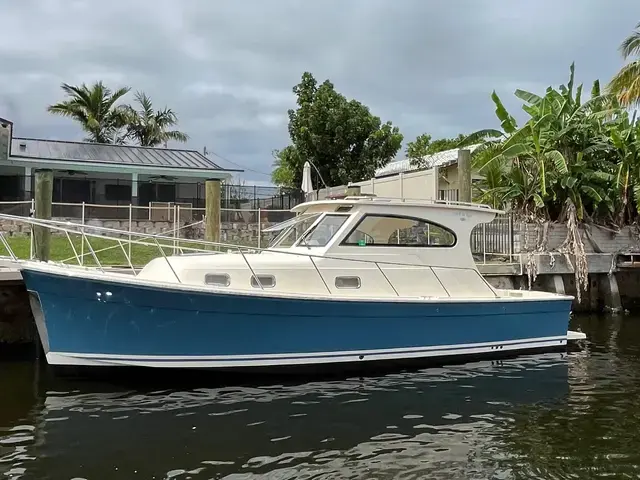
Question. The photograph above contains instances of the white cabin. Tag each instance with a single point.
(357, 246)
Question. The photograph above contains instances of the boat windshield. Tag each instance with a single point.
(291, 230)
(321, 233)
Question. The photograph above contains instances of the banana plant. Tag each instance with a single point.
(559, 153)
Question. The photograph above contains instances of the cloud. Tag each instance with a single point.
(227, 67)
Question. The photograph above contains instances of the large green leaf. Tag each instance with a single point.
(508, 123)
(636, 195)
(592, 192)
(572, 70)
(578, 95)
(520, 136)
(516, 150)
(558, 160)
(543, 122)
(528, 97)
(479, 136)
(595, 89)
(538, 200)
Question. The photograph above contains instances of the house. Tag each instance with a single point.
(104, 174)
(445, 163)
(437, 179)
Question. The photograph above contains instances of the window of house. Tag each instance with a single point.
(117, 193)
(399, 231)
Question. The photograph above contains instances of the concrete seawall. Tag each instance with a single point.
(16, 321)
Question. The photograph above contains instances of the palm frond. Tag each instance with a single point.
(631, 45)
(626, 84)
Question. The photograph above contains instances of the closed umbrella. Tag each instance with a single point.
(307, 184)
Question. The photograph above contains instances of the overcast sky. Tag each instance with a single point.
(227, 66)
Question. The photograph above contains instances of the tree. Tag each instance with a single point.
(423, 147)
(94, 108)
(626, 83)
(150, 128)
(561, 156)
(419, 148)
(288, 167)
(340, 137)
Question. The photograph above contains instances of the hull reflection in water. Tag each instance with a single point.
(427, 423)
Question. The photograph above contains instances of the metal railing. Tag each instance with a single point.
(494, 239)
(247, 225)
(162, 242)
(118, 190)
(490, 242)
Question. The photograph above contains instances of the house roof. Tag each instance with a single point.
(124, 155)
(440, 159)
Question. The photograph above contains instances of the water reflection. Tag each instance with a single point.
(549, 416)
(438, 420)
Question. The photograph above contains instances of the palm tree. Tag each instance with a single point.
(149, 127)
(626, 83)
(93, 107)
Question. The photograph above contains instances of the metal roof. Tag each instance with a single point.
(439, 159)
(128, 155)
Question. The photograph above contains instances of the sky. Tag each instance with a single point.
(227, 67)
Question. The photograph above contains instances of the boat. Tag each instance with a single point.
(361, 280)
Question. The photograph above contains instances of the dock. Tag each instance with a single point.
(8, 273)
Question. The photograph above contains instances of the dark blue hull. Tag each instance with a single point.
(98, 322)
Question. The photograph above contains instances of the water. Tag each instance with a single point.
(545, 416)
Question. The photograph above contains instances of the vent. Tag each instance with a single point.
(218, 279)
(348, 282)
(266, 281)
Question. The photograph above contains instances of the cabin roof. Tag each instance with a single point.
(393, 202)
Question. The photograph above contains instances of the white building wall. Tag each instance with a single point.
(420, 185)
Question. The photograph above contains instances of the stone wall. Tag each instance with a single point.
(605, 240)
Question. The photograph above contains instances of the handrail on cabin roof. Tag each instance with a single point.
(400, 201)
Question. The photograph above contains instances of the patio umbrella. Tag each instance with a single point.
(307, 185)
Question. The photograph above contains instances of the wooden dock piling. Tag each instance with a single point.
(43, 207)
(212, 211)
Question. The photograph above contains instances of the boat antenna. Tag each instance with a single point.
(318, 172)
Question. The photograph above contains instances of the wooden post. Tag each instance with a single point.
(464, 175)
(44, 198)
(212, 211)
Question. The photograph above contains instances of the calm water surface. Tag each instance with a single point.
(549, 416)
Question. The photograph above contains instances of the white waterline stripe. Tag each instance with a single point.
(71, 359)
(436, 348)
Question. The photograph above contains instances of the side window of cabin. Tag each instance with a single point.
(399, 231)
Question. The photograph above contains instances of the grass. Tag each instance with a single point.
(107, 250)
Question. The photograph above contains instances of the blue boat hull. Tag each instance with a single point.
(97, 322)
